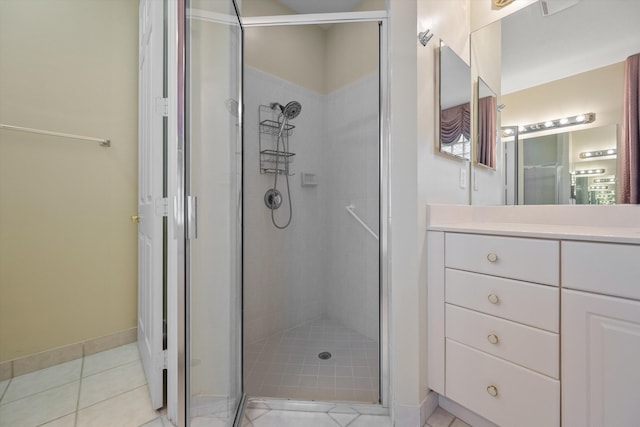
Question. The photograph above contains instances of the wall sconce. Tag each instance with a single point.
(599, 153)
(580, 119)
(424, 37)
(589, 172)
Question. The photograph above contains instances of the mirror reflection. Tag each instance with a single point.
(455, 104)
(551, 77)
(577, 167)
(487, 114)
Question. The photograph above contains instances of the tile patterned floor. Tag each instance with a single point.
(259, 414)
(287, 365)
(109, 389)
(103, 389)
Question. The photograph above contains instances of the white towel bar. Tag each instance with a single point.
(101, 141)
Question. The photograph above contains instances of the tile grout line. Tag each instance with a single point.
(27, 396)
(114, 396)
(5, 390)
(75, 421)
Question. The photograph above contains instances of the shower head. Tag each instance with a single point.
(292, 109)
(289, 111)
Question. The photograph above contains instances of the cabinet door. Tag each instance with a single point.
(600, 360)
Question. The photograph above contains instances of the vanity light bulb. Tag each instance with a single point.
(581, 118)
(587, 154)
(564, 121)
(548, 124)
(611, 151)
(522, 129)
(508, 131)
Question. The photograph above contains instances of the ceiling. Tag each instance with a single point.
(320, 6)
(537, 49)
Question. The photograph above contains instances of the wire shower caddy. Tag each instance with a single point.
(272, 159)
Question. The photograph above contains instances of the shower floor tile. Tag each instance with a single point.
(287, 365)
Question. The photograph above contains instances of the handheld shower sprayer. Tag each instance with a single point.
(287, 112)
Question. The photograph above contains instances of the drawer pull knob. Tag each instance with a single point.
(493, 338)
(493, 298)
(492, 390)
(492, 257)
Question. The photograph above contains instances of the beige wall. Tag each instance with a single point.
(291, 52)
(599, 91)
(67, 246)
(351, 53)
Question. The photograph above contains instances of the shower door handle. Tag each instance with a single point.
(192, 217)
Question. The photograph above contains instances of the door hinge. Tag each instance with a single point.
(162, 206)
(162, 106)
(162, 360)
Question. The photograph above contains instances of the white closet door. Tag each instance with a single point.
(150, 201)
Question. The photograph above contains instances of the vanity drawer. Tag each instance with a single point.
(523, 345)
(602, 267)
(523, 398)
(531, 304)
(532, 260)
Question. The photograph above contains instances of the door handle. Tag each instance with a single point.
(135, 218)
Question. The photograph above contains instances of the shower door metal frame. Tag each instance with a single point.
(381, 17)
(178, 276)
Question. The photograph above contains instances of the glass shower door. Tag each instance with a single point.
(213, 177)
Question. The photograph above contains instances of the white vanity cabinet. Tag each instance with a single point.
(490, 349)
(534, 313)
(600, 334)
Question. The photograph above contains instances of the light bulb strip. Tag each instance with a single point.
(598, 153)
(589, 172)
(580, 119)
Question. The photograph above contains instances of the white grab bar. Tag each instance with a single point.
(101, 141)
(350, 209)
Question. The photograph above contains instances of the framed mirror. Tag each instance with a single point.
(487, 117)
(550, 80)
(455, 105)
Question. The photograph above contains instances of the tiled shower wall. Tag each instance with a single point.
(283, 269)
(352, 160)
(324, 264)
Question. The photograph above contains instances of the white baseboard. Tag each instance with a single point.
(415, 416)
(429, 405)
(463, 413)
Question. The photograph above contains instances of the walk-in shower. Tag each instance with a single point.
(311, 284)
(273, 196)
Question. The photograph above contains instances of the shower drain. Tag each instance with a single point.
(325, 355)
